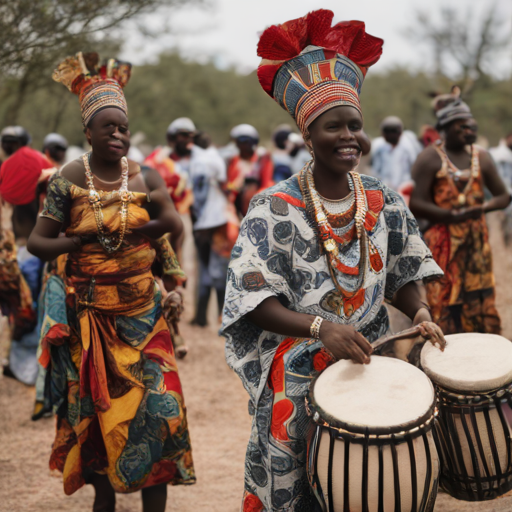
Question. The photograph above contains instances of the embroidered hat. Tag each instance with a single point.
(309, 67)
(97, 87)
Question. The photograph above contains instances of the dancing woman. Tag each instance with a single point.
(317, 255)
(114, 381)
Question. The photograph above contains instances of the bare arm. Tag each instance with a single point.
(423, 173)
(342, 340)
(493, 181)
(45, 243)
(163, 214)
(411, 299)
(422, 202)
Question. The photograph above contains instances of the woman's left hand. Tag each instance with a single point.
(428, 329)
(170, 283)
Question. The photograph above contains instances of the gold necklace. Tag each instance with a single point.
(326, 233)
(455, 171)
(110, 242)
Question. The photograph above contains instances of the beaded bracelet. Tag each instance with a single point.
(315, 327)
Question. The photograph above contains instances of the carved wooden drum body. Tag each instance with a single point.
(473, 379)
(373, 449)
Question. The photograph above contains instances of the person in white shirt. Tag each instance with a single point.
(207, 172)
(394, 153)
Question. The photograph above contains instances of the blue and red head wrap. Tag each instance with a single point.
(309, 67)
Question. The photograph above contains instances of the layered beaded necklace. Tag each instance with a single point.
(457, 175)
(337, 206)
(110, 242)
(329, 239)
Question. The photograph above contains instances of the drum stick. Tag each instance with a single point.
(407, 333)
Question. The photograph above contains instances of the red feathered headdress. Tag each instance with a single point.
(306, 62)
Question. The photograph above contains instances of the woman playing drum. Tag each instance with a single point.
(316, 256)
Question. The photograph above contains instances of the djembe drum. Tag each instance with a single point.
(372, 449)
(473, 379)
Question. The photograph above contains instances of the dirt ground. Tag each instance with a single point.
(219, 425)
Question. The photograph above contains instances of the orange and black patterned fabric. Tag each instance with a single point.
(463, 300)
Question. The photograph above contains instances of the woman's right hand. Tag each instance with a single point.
(344, 342)
(470, 213)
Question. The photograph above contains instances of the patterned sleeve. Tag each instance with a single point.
(409, 258)
(169, 261)
(57, 204)
(259, 266)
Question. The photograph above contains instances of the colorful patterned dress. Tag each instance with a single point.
(248, 177)
(278, 254)
(176, 180)
(15, 296)
(114, 379)
(464, 299)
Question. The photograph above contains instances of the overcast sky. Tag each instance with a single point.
(228, 31)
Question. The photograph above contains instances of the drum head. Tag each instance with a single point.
(386, 396)
(471, 362)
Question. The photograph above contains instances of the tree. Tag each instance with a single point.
(465, 42)
(35, 34)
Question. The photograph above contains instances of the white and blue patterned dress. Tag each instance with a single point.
(278, 254)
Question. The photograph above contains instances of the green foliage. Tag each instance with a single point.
(397, 92)
(217, 100)
(36, 33)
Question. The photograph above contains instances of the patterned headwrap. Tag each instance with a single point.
(309, 67)
(97, 87)
(450, 107)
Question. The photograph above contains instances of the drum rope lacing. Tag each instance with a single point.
(477, 398)
(413, 432)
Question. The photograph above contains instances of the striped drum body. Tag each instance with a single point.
(474, 385)
(373, 449)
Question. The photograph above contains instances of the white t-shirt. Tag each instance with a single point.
(392, 165)
(207, 171)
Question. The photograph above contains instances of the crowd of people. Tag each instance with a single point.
(295, 245)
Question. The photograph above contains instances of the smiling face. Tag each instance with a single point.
(109, 135)
(338, 140)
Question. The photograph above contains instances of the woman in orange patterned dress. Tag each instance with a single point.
(114, 381)
(449, 194)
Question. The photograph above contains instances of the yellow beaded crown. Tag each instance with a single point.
(96, 87)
